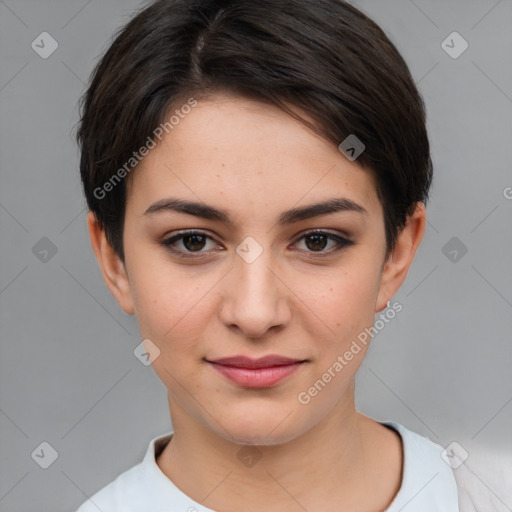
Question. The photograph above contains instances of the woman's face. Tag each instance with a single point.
(253, 281)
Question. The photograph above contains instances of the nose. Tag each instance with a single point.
(255, 298)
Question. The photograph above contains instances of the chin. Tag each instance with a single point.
(259, 428)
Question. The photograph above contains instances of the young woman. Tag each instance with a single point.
(256, 175)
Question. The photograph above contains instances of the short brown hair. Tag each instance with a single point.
(323, 56)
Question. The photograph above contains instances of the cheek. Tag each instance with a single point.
(172, 307)
(172, 316)
(344, 300)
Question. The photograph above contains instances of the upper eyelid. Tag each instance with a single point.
(183, 233)
(192, 231)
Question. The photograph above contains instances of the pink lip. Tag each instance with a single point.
(256, 373)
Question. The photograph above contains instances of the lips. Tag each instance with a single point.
(256, 373)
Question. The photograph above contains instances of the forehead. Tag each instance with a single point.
(239, 151)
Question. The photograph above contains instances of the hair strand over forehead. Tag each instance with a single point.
(323, 57)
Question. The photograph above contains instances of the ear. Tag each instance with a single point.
(112, 268)
(401, 258)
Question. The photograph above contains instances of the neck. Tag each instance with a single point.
(330, 459)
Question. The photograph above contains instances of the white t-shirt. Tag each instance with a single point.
(428, 483)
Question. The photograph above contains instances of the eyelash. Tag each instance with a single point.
(342, 243)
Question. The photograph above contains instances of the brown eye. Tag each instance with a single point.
(187, 243)
(316, 242)
(323, 243)
(194, 242)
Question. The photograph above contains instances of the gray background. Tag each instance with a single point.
(68, 373)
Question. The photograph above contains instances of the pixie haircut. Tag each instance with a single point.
(322, 58)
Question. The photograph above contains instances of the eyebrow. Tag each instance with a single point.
(288, 217)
